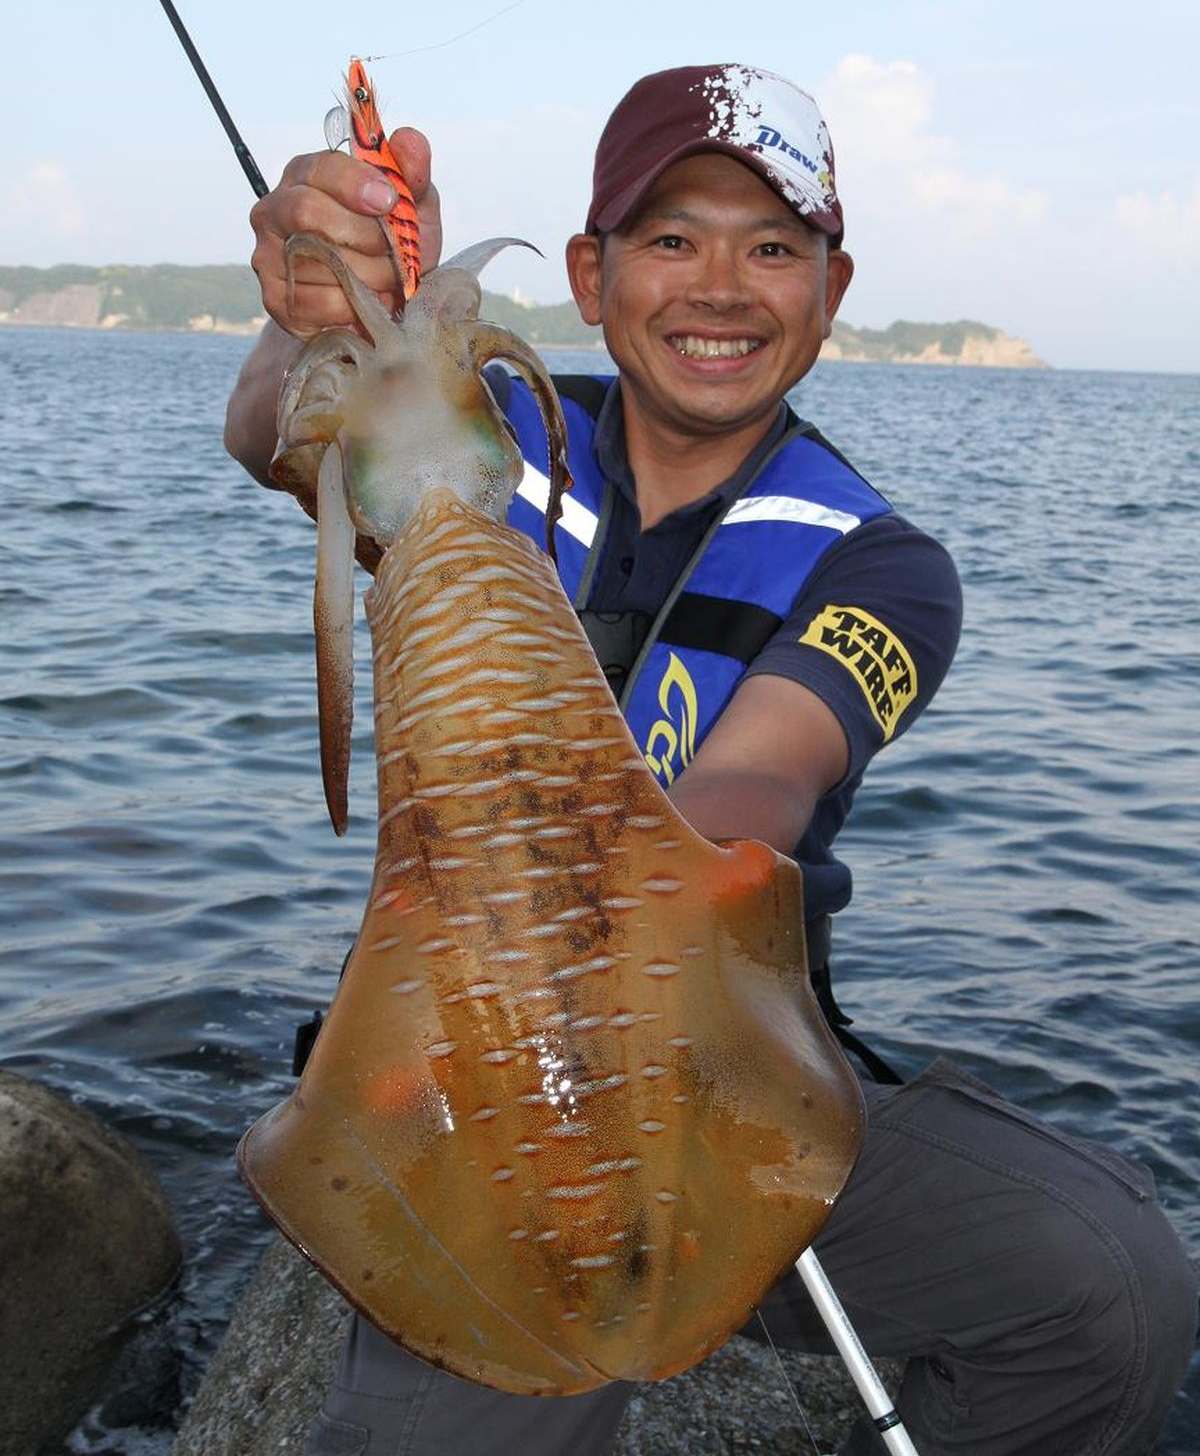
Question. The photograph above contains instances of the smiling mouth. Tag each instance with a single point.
(692, 346)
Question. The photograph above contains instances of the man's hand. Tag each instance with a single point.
(337, 198)
(341, 200)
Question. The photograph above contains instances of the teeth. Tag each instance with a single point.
(694, 347)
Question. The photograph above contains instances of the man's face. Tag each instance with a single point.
(714, 298)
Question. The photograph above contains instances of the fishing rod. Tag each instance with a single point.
(886, 1419)
(240, 149)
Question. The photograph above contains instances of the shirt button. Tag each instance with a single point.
(627, 564)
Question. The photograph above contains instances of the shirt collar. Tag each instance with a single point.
(609, 447)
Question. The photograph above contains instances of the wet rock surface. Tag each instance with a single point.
(86, 1245)
(267, 1380)
(266, 1383)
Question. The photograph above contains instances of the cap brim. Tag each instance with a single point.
(624, 205)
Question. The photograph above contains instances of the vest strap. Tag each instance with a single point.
(817, 936)
(742, 628)
(587, 391)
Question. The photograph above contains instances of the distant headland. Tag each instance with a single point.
(224, 299)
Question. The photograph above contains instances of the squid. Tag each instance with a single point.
(574, 1107)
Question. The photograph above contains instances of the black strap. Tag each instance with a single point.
(822, 984)
(308, 1031)
(877, 1068)
(583, 389)
(715, 624)
(304, 1041)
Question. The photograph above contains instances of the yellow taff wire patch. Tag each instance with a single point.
(875, 656)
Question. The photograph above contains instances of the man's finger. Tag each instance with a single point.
(356, 185)
(411, 149)
(305, 209)
(429, 213)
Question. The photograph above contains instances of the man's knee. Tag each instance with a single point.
(1117, 1319)
(1072, 1302)
(1167, 1292)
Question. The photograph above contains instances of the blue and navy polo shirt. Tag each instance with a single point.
(884, 575)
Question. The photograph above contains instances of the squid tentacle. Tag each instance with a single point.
(375, 319)
(491, 341)
(330, 348)
(475, 259)
(308, 419)
(333, 626)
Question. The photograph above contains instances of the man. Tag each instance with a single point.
(769, 623)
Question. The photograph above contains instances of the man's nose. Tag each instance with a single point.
(718, 282)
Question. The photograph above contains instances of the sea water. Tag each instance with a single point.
(173, 901)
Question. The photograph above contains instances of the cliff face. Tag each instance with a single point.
(83, 306)
(76, 305)
(210, 299)
(964, 343)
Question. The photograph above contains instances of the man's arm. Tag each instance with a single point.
(808, 715)
(250, 415)
(774, 751)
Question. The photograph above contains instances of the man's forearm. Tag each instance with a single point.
(745, 806)
(760, 773)
(250, 415)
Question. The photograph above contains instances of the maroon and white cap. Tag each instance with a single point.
(755, 116)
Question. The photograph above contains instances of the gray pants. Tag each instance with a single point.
(1042, 1301)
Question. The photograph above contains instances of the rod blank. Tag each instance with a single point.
(241, 150)
(843, 1334)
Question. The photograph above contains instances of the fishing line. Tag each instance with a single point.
(241, 150)
(791, 1385)
(442, 44)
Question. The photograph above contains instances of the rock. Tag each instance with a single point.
(739, 1401)
(267, 1380)
(74, 305)
(962, 343)
(86, 1244)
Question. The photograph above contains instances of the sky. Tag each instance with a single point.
(1035, 166)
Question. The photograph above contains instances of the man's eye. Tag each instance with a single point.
(774, 250)
(671, 241)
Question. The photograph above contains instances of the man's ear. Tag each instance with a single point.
(584, 262)
(839, 269)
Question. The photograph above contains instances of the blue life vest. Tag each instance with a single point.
(737, 590)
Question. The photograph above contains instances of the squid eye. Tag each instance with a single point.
(362, 94)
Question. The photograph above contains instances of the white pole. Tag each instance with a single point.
(849, 1347)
